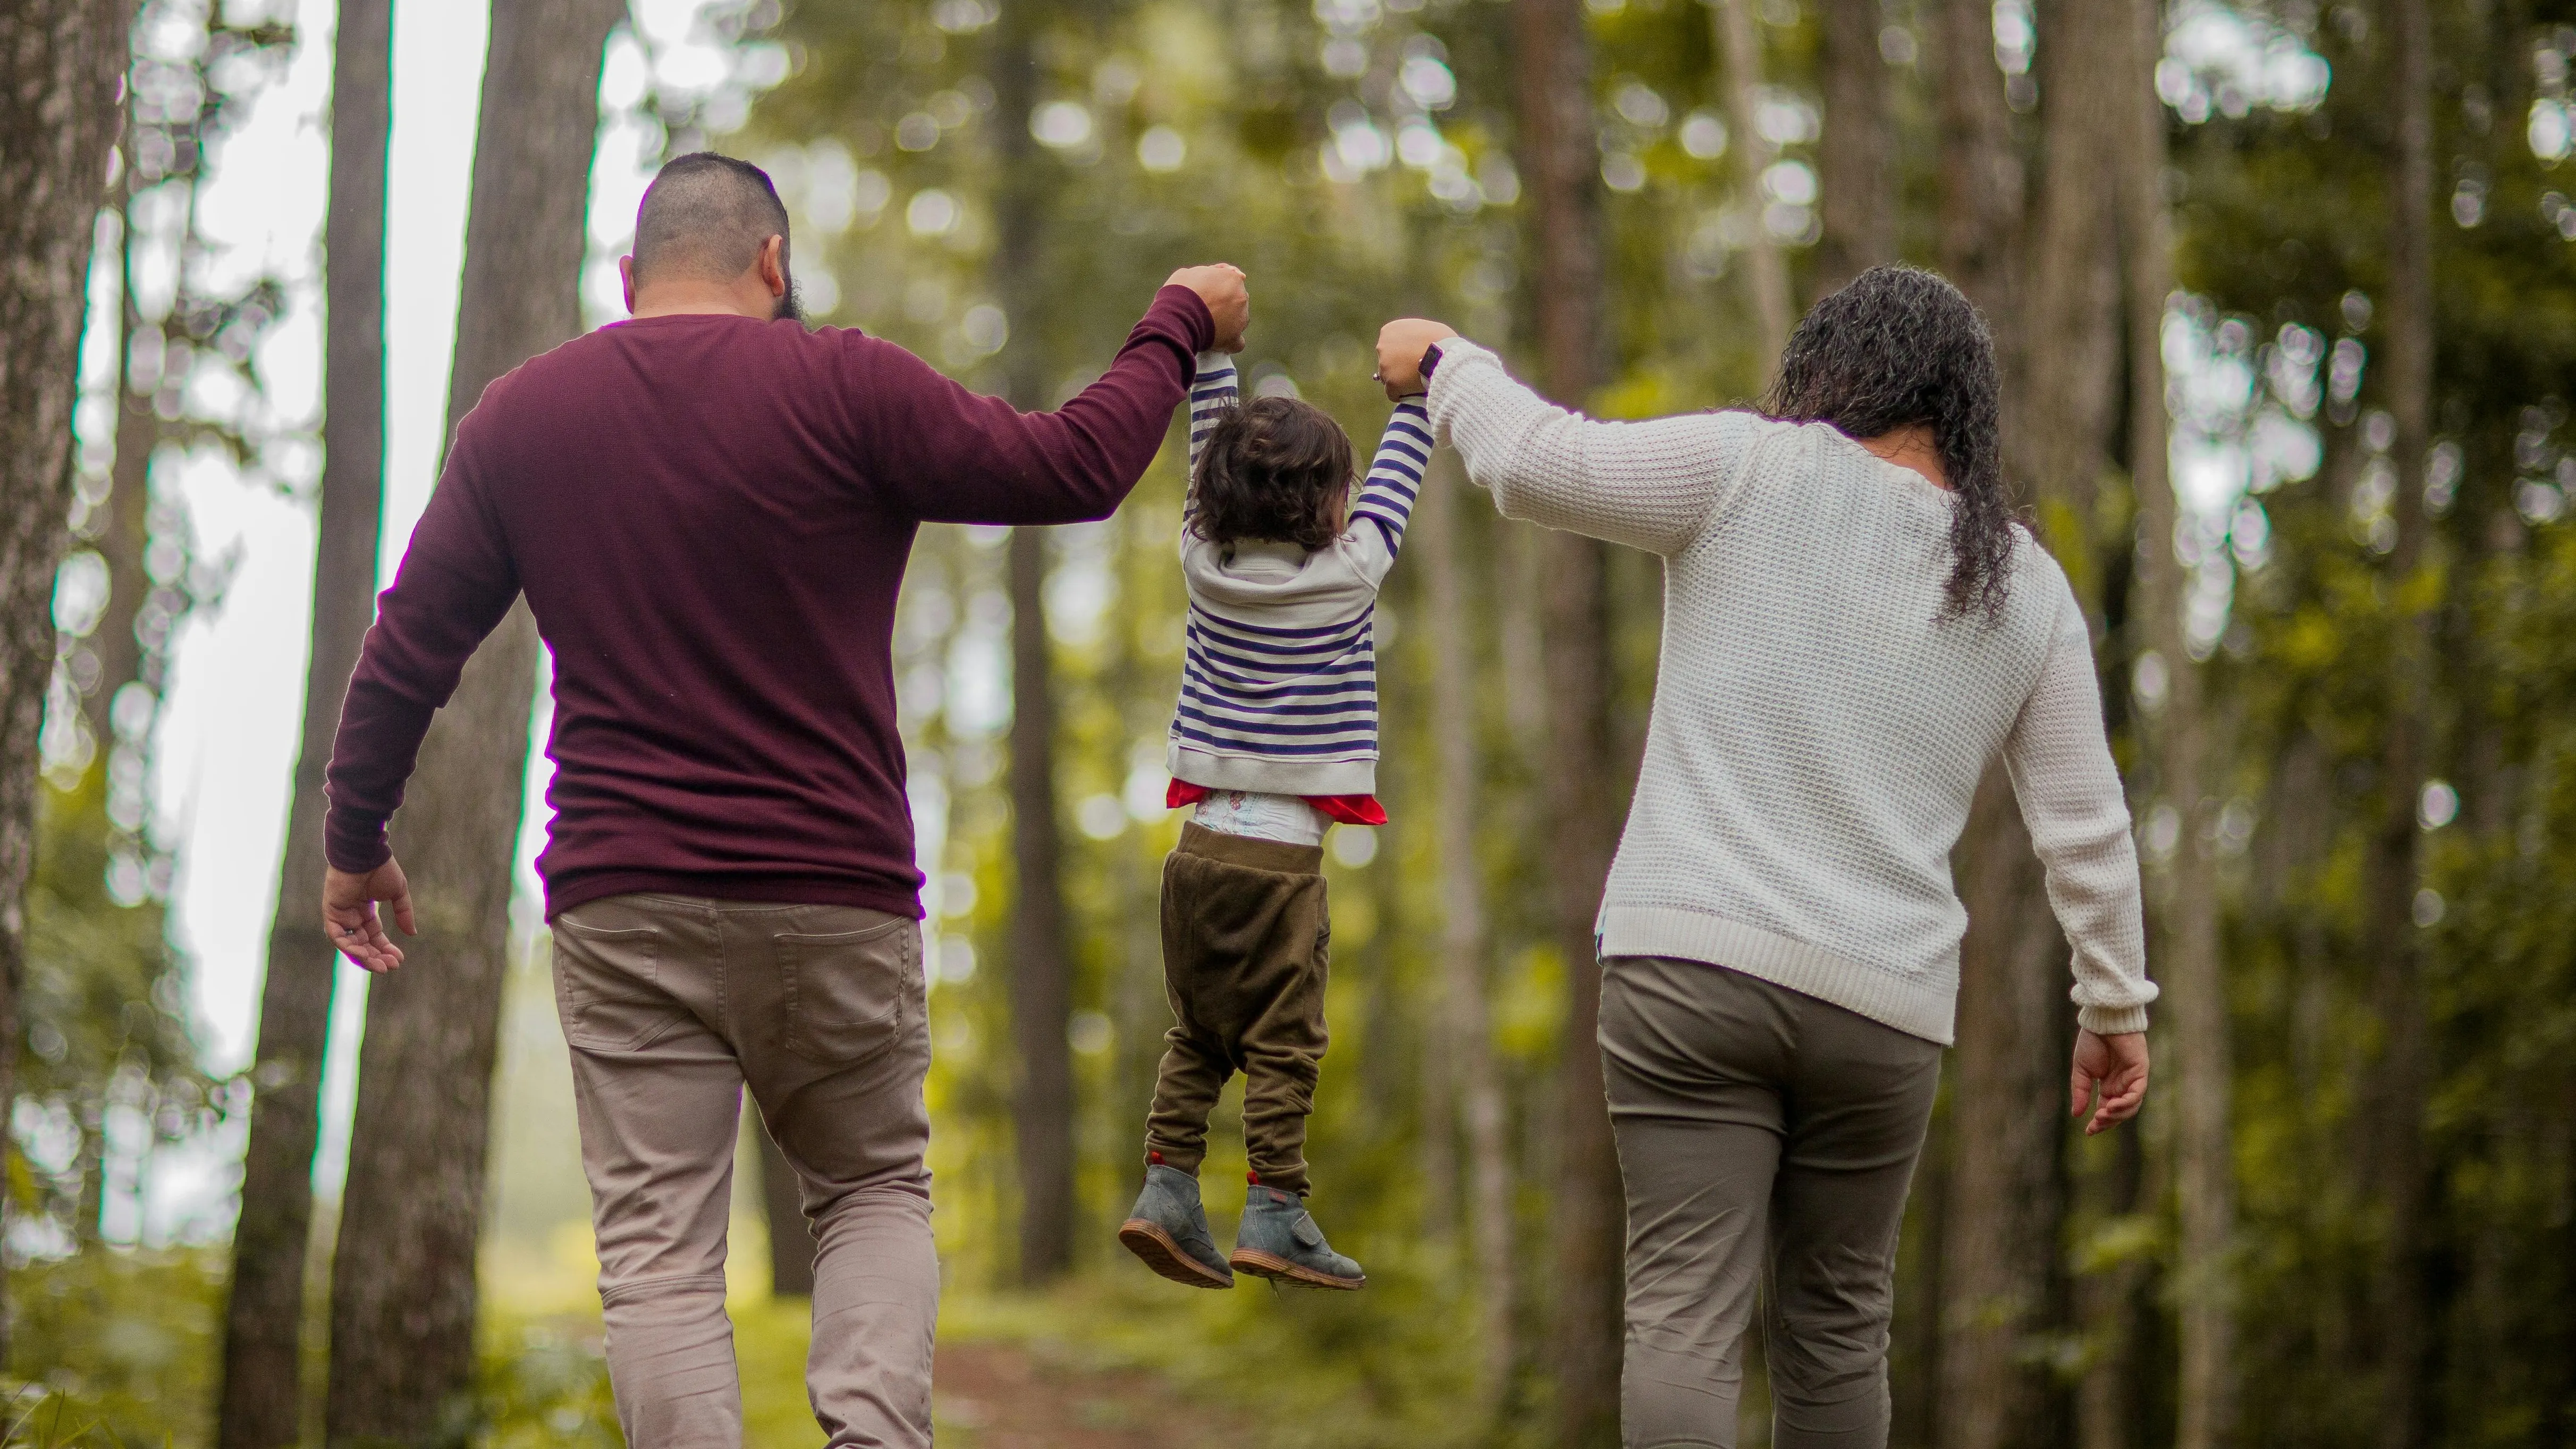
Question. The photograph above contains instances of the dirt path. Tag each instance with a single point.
(1000, 1396)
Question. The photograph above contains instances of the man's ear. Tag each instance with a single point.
(773, 265)
(626, 279)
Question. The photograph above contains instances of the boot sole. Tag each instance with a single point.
(1149, 1242)
(1279, 1270)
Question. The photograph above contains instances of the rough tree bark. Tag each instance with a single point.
(62, 101)
(1766, 270)
(2069, 324)
(1465, 1025)
(2390, 867)
(1981, 172)
(262, 1397)
(2000, 1224)
(1998, 1239)
(403, 1293)
(1584, 794)
(127, 530)
(2190, 968)
(1859, 201)
(1041, 966)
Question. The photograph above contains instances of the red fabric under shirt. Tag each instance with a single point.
(1347, 809)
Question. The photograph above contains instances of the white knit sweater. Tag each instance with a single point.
(1819, 729)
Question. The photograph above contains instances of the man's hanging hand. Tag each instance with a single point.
(349, 914)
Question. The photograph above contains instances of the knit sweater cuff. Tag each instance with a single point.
(2112, 1020)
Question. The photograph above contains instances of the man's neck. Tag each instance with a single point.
(682, 300)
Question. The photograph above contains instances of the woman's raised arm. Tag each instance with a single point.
(1649, 485)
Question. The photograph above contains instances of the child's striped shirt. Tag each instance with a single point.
(1279, 671)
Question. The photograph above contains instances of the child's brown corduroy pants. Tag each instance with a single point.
(1245, 937)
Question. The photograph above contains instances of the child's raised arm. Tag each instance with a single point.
(1212, 391)
(1394, 481)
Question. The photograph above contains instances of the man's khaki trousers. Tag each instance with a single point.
(672, 1007)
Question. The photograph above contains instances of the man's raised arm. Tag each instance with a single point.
(953, 456)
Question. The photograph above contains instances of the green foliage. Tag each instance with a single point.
(107, 1066)
(113, 1346)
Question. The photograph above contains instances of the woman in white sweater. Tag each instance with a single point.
(1854, 630)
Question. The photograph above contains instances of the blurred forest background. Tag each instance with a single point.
(2288, 304)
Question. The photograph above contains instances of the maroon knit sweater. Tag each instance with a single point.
(710, 516)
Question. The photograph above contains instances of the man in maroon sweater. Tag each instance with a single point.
(709, 509)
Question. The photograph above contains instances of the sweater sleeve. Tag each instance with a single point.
(456, 582)
(2070, 797)
(942, 454)
(1649, 485)
(1394, 481)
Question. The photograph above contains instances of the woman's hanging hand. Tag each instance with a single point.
(2115, 1067)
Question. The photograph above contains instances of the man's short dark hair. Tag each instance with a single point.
(706, 215)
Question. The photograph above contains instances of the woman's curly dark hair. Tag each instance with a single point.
(1900, 345)
(1273, 468)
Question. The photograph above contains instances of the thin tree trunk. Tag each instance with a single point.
(2190, 969)
(1041, 966)
(1981, 173)
(1516, 587)
(2070, 325)
(1464, 944)
(2000, 1223)
(1859, 211)
(127, 530)
(1041, 969)
(262, 1397)
(403, 1292)
(1766, 271)
(791, 1242)
(62, 67)
(2391, 866)
(1993, 1246)
(1583, 795)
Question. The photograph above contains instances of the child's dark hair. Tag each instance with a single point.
(1273, 468)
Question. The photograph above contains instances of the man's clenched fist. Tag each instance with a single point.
(1220, 285)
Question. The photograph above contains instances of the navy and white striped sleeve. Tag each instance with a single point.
(1212, 391)
(1395, 476)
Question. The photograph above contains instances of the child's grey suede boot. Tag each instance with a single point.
(1169, 1230)
(1280, 1241)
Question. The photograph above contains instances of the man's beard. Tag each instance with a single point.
(790, 306)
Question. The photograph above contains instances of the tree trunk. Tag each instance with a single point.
(791, 1242)
(2390, 868)
(1981, 174)
(1994, 1245)
(262, 1395)
(1041, 966)
(1851, 162)
(2000, 1224)
(1041, 969)
(2195, 991)
(62, 68)
(128, 526)
(1583, 792)
(403, 1294)
(1766, 271)
(2069, 329)
(1466, 1028)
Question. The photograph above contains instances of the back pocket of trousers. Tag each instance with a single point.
(605, 986)
(846, 990)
